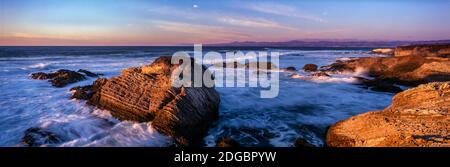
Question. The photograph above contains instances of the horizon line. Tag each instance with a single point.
(234, 42)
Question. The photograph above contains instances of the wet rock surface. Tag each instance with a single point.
(310, 67)
(36, 137)
(63, 77)
(146, 93)
(320, 74)
(378, 85)
(82, 92)
(59, 78)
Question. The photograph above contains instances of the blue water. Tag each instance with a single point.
(304, 108)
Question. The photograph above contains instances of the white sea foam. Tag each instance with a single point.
(38, 66)
(303, 109)
(326, 79)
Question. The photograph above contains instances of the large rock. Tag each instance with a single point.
(63, 77)
(434, 50)
(146, 93)
(417, 117)
(405, 70)
(310, 67)
(59, 78)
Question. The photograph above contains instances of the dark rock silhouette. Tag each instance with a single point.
(36, 137)
(291, 69)
(379, 85)
(59, 78)
(82, 92)
(310, 67)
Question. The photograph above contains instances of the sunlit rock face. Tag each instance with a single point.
(404, 70)
(436, 50)
(146, 94)
(416, 117)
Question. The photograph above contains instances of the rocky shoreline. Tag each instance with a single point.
(417, 117)
(142, 94)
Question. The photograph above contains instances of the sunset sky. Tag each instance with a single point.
(139, 22)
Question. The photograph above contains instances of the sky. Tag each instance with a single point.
(166, 22)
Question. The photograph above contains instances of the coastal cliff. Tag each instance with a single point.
(405, 70)
(435, 50)
(416, 117)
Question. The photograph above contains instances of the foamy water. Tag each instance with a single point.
(304, 108)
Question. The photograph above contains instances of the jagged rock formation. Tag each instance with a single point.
(417, 117)
(405, 70)
(59, 78)
(146, 94)
(63, 77)
(435, 50)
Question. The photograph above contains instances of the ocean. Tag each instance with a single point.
(304, 108)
